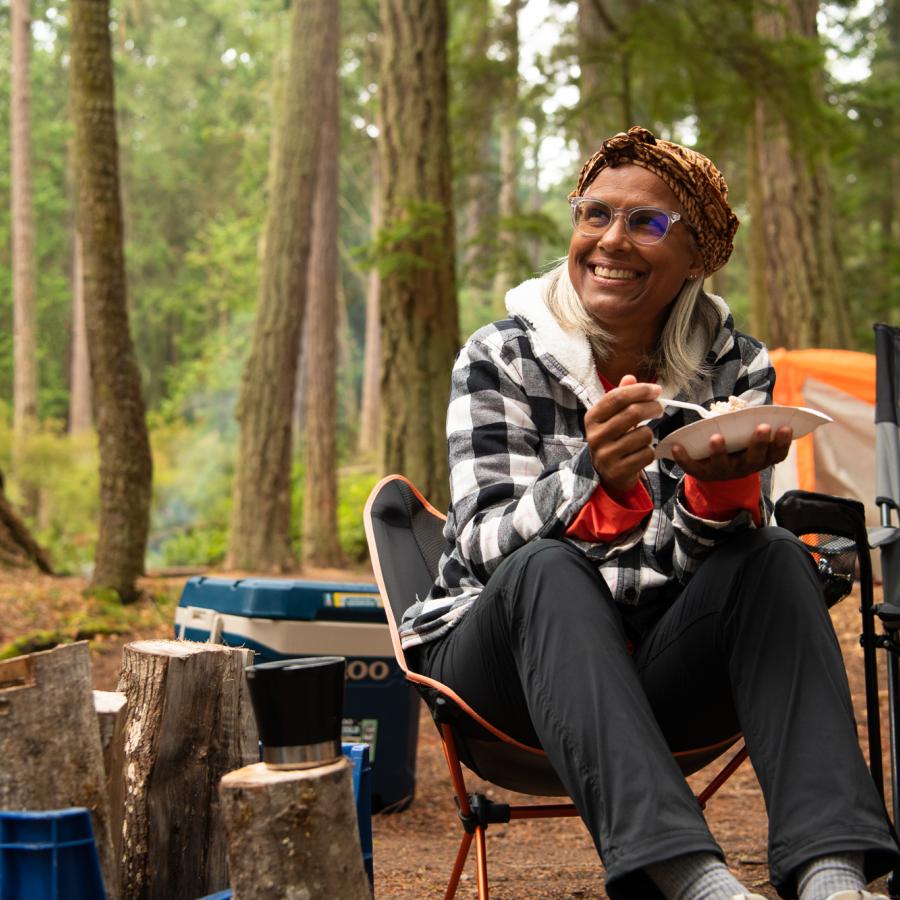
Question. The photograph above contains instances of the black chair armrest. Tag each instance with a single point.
(833, 529)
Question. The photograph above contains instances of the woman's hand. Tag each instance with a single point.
(765, 449)
(620, 450)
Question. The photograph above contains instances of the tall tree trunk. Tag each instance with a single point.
(508, 240)
(367, 443)
(80, 418)
(605, 71)
(24, 352)
(24, 340)
(347, 395)
(261, 513)
(479, 214)
(419, 329)
(319, 544)
(478, 99)
(588, 26)
(798, 295)
(125, 463)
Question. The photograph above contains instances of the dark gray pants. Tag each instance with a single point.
(748, 645)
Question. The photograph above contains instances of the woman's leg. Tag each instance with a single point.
(542, 655)
(749, 644)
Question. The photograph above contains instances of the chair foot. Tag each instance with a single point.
(458, 866)
(481, 860)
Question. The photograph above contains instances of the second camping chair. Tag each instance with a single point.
(834, 530)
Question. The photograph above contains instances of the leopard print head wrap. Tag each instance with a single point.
(692, 177)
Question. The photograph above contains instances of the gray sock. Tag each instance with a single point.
(695, 876)
(826, 875)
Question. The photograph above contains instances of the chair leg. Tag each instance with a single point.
(481, 861)
(722, 777)
(458, 866)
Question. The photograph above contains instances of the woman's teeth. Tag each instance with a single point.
(623, 274)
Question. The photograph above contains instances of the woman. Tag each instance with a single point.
(611, 607)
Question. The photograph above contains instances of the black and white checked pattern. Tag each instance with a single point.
(520, 468)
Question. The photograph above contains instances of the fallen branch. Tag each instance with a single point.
(16, 539)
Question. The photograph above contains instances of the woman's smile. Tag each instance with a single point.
(613, 273)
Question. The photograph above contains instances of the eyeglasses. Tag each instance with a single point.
(644, 224)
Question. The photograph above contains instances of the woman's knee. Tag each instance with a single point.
(772, 547)
(783, 568)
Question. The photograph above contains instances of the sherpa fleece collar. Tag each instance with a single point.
(570, 349)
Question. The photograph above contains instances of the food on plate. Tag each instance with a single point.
(732, 404)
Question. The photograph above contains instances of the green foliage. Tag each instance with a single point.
(64, 470)
(354, 487)
(192, 496)
(401, 247)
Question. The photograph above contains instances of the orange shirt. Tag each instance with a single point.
(603, 518)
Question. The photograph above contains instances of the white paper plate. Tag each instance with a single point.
(737, 428)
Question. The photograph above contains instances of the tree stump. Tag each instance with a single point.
(292, 833)
(189, 722)
(112, 710)
(50, 742)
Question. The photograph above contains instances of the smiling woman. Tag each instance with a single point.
(610, 606)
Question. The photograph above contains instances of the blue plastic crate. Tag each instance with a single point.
(358, 755)
(49, 855)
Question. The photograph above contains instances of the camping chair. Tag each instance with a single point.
(835, 532)
(405, 537)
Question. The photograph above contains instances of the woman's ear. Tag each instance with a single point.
(695, 266)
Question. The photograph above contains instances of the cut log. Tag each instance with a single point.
(112, 709)
(293, 833)
(50, 741)
(189, 722)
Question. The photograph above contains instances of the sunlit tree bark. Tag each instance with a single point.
(604, 60)
(507, 244)
(319, 543)
(260, 535)
(80, 417)
(798, 290)
(475, 86)
(367, 443)
(25, 373)
(419, 331)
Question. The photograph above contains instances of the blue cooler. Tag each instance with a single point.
(281, 619)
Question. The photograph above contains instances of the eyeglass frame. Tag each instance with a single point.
(671, 218)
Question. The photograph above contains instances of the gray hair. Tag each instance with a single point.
(671, 359)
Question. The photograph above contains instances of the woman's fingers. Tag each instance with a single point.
(765, 449)
(625, 406)
(619, 449)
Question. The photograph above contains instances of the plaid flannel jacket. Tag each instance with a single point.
(520, 468)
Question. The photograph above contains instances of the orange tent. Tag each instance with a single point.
(838, 458)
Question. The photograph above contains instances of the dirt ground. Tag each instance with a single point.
(414, 849)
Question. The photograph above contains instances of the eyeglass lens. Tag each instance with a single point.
(645, 224)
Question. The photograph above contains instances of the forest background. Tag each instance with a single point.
(228, 170)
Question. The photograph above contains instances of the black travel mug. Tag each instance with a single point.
(298, 704)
